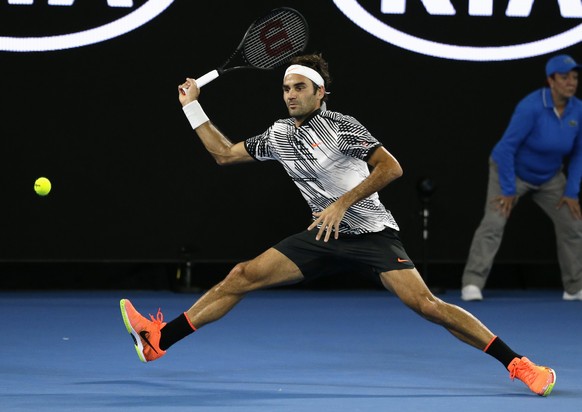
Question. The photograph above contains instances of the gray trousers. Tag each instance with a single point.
(488, 235)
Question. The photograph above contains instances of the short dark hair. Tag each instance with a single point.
(317, 63)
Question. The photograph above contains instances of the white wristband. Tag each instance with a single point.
(195, 114)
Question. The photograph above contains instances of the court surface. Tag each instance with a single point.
(283, 350)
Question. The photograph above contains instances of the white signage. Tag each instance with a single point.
(515, 8)
(129, 22)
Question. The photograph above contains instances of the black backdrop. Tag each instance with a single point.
(132, 183)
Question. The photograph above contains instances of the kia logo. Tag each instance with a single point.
(131, 21)
(570, 12)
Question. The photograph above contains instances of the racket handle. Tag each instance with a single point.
(207, 78)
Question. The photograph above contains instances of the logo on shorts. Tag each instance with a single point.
(474, 30)
(23, 25)
(400, 260)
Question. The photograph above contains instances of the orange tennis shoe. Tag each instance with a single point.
(540, 379)
(145, 333)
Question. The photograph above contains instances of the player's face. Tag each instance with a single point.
(300, 96)
(564, 85)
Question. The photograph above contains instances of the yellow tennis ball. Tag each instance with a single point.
(42, 186)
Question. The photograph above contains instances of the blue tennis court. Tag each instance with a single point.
(283, 350)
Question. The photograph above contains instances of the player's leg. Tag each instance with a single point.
(153, 337)
(271, 268)
(408, 285)
(411, 289)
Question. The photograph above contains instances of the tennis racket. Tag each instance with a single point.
(269, 42)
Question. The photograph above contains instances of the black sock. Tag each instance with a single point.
(175, 330)
(500, 351)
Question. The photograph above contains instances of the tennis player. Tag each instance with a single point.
(329, 157)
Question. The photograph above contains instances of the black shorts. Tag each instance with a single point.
(377, 252)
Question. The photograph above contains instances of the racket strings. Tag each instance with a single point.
(275, 39)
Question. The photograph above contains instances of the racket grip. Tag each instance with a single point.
(207, 78)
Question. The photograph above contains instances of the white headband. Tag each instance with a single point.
(307, 72)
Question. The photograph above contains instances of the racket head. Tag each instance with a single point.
(272, 40)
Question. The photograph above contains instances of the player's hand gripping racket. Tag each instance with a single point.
(269, 42)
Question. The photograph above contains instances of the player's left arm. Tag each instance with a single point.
(385, 169)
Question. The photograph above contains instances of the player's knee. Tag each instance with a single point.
(237, 273)
(431, 308)
(241, 278)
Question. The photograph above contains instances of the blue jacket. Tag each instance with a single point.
(537, 143)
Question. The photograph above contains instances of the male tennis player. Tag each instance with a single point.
(327, 155)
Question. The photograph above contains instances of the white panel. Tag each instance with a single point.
(570, 8)
(481, 7)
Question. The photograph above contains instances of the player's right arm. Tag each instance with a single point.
(217, 144)
(222, 150)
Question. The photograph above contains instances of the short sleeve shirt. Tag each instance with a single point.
(326, 157)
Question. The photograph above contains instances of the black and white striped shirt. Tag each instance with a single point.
(326, 157)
